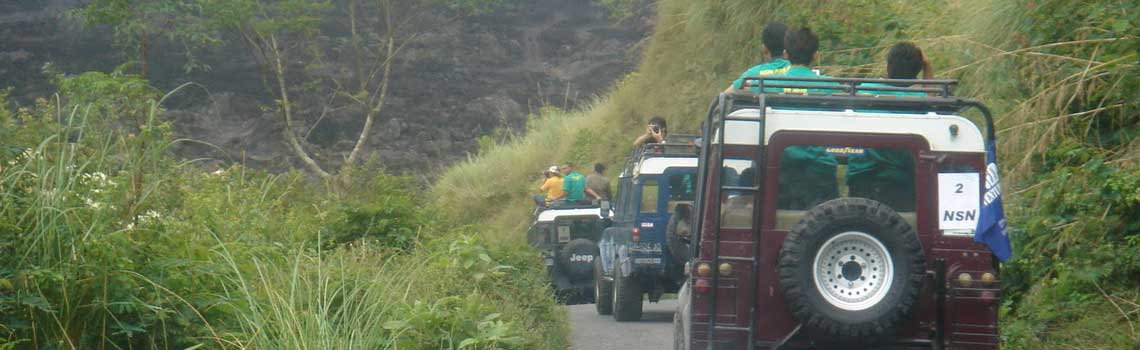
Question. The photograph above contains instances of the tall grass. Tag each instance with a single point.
(106, 242)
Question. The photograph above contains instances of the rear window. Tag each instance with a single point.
(649, 196)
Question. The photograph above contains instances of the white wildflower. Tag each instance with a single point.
(149, 216)
(92, 204)
(95, 178)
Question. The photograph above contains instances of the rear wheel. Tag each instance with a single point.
(603, 290)
(627, 296)
(851, 270)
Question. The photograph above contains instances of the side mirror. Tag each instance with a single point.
(604, 207)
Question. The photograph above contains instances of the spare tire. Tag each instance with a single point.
(577, 258)
(851, 271)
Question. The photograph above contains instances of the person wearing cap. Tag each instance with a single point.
(551, 188)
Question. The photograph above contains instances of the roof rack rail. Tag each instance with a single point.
(847, 95)
(852, 86)
(670, 149)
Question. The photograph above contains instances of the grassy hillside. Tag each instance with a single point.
(1061, 76)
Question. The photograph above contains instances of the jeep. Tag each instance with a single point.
(850, 226)
(566, 236)
(639, 253)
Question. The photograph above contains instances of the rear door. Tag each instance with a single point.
(805, 169)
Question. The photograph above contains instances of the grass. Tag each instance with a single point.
(106, 242)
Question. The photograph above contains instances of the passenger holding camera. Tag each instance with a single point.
(655, 132)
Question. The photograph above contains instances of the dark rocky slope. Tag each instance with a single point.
(461, 79)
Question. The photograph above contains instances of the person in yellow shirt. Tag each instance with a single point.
(551, 188)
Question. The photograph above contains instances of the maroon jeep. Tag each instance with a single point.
(840, 221)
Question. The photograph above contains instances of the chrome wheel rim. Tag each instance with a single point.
(853, 271)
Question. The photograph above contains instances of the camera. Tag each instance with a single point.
(656, 129)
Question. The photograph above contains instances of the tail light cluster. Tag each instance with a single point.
(635, 235)
(985, 284)
(704, 271)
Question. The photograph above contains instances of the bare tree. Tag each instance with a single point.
(282, 33)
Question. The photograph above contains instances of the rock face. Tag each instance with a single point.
(461, 78)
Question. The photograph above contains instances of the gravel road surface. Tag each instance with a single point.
(590, 331)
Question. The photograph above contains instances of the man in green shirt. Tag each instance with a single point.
(807, 173)
(801, 48)
(575, 185)
(773, 52)
(887, 175)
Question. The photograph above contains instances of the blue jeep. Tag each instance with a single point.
(645, 250)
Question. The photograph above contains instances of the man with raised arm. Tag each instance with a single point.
(655, 132)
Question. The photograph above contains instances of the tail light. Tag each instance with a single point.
(702, 286)
(636, 235)
(988, 279)
(704, 270)
(725, 269)
(965, 280)
(989, 297)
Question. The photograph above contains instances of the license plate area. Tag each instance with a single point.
(563, 234)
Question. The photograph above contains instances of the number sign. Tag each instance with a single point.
(958, 196)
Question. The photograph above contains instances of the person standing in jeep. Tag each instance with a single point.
(655, 132)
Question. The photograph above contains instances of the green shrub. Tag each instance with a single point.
(386, 210)
(107, 242)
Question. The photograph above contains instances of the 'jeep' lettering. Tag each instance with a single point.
(582, 258)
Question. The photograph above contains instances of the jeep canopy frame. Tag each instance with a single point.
(846, 94)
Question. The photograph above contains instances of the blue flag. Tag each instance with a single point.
(991, 229)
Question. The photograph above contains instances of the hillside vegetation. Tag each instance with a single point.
(108, 242)
(1062, 76)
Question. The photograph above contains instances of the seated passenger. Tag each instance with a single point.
(599, 183)
(772, 50)
(807, 173)
(574, 184)
(887, 175)
(904, 61)
(551, 188)
(655, 132)
(801, 48)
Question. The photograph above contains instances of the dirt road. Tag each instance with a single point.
(591, 331)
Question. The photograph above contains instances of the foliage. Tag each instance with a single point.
(140, 24)
(107, 242)
(389, 215)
